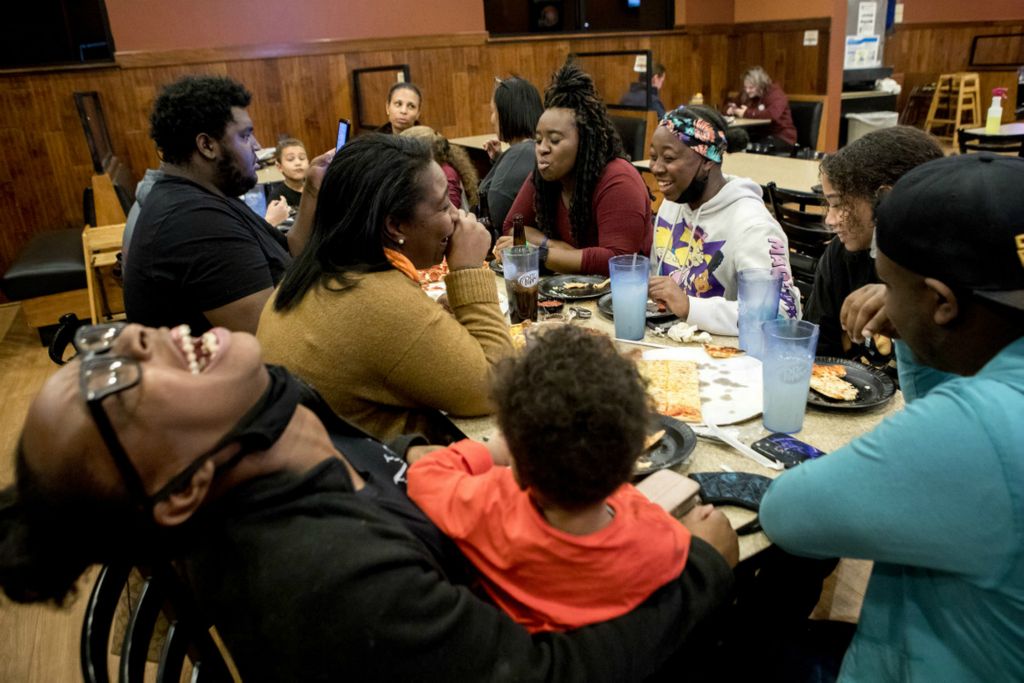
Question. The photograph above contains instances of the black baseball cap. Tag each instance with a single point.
(960, 220)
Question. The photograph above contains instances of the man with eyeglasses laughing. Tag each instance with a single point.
(284, 522)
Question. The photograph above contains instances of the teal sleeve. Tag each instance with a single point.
(927, 488)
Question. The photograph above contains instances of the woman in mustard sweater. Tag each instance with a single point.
(350, 316)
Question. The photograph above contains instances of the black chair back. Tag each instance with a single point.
(1001, 144)
(807, 119)
(805, 230)
(186, 638)
(633, 132)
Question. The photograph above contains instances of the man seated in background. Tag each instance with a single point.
(637, 95)
(199, 255)
(286, 524)
(933, 495)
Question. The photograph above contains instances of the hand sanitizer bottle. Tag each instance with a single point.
(995, 112)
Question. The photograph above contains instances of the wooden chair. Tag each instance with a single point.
(187, 638)
(100, 247)
(633, 132)
(955, 95)
(801, 215)
(980, 142)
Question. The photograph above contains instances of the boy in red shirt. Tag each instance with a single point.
(560, 538)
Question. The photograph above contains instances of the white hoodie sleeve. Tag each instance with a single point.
(716, 314)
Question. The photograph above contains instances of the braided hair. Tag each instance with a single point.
(599, 143)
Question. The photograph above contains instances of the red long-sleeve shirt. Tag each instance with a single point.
(774, 105)
(621, 209)
(545, 578)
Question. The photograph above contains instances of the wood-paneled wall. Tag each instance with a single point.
(45, 162)
(920, 52)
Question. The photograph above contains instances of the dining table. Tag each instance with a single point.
(826, 429)
(787, 172)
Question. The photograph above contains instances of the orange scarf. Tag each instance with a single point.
(402, 264)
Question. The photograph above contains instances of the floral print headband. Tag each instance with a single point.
(703, 137)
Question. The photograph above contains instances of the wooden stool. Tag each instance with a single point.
(955, 95)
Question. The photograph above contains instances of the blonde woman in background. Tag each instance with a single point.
(463, 180)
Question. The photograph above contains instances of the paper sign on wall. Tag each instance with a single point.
(897, 15)
(640, 65)
(866, 18)
(810, 38)
(861, 52)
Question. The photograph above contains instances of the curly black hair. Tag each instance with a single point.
(574, 413)
(52, 530)
(876, 160)
(190, 106)
(599, 143)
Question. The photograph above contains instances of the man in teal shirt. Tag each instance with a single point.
(935, 494)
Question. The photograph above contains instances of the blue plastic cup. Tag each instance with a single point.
(629, 274)
(786, 364)
(759, 292)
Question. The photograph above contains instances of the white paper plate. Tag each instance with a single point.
(730, 388)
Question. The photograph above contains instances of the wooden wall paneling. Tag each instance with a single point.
(922, 52)
(305, 89)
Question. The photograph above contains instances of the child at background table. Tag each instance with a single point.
(283, 196)
(560, 537)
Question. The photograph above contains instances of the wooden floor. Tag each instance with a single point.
(37, 644)
(40, 644)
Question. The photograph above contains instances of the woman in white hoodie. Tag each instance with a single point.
(710, 225)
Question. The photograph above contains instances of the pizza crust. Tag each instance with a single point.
(716, 351)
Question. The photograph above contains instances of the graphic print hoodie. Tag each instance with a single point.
(703, 250)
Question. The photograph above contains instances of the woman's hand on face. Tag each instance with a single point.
(493, 148)
(467, 247)
(503, 243)
(664, 290)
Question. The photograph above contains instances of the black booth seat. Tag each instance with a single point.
(50, 263)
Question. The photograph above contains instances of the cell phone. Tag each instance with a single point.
(787, 449)
(343, 127)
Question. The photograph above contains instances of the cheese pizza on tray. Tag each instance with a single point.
(675, 387)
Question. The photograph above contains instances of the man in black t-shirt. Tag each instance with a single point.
(199, 254)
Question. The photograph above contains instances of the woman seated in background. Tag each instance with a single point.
(292, 161)
(710, 225)
(463, 181)
(402, 108)
(515, 108)
(763, 99)
(584, 203)
(350, 316)
(853, 180)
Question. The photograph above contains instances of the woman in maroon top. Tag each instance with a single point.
(763, 99)
(584, 202)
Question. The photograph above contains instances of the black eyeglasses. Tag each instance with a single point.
(101, 375)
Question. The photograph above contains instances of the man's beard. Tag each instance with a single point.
(230, 178)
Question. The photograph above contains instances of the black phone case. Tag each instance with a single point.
(742, 489)
(786, 449)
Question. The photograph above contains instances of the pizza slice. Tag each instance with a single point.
(675, 387)
(828, 381)
(716, 351)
